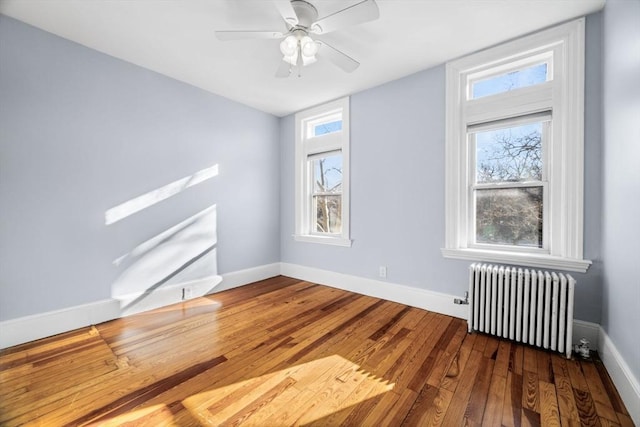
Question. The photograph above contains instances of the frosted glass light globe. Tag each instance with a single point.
(289, 45)
(309, 47)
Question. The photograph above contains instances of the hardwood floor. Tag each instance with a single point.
(286, 352)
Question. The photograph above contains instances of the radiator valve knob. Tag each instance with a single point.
(583, 348)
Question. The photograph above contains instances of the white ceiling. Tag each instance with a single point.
(176, 38)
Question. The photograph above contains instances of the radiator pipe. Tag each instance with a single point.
(464, 301)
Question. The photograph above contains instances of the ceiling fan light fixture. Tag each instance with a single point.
(291, 59)
(301, 17)
(289, 46)
(309, 47)
(308, 60)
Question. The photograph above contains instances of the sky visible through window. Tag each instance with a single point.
(509, 154)
(325, 128)
(331, 168)
(509, 81)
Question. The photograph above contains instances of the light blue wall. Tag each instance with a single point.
(81, 132)
(621, 178)
(397, 187)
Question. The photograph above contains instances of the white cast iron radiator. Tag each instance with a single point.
(528, 306)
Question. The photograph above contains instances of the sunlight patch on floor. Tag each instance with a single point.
(300, 394)
(160, 411)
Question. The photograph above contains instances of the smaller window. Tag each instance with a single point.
(325, 128)
(322, 174)
(328, 123)
(509, 81)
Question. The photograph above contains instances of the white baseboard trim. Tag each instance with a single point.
(244, 277)
(415, 297)
(165, 295)
(173, 294)
(627, 385)
(588, 330)
(37, 326)
(621, 375)
(30, 328)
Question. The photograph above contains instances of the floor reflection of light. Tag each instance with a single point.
(276, 396)
(139, 203)
(161, 411)
(297, 395)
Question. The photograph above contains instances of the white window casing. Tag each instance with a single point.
(309, 147)
(561, 99)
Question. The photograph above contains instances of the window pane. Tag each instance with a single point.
(327, 174)
(509, 216)
(509, 155)
(325, 128)
(328, 213)
(510, 81)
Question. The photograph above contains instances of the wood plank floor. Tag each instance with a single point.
(286, 352)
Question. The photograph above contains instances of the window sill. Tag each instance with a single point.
(327, 240)
(524, 259)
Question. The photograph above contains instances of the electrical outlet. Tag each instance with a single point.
(187, 293)
(383, 271)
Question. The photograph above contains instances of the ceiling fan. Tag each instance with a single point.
(297, 46)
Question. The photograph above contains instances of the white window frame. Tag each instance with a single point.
(543, 182)
(563, 96)
(307, 147)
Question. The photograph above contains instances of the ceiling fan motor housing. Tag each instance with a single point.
(306, 12)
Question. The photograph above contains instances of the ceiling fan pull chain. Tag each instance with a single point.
(299, 61)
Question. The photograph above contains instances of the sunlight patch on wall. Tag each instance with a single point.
(139, 203)
(160, 259)
(158, 239)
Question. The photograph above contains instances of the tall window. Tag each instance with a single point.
(322, 174)
(514, 165)
(508, 186)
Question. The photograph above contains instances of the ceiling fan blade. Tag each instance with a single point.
(245, 35)
(284, 70)
(287, 12)
(365, 11)
(340, 59)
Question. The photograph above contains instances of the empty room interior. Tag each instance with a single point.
(320, 212)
